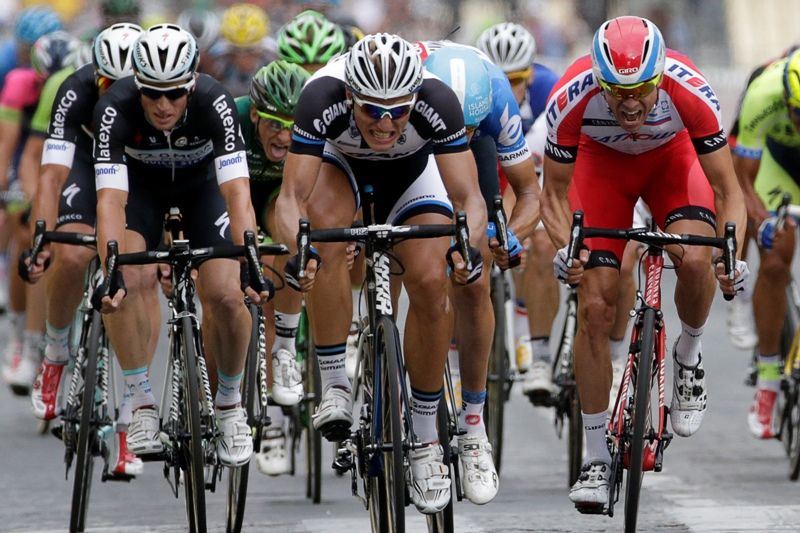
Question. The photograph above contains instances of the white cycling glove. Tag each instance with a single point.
(744, 275)
(560, 264)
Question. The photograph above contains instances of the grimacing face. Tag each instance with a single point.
(380, 134)
(631, 113)
(275, 143)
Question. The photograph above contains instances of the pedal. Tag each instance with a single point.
(343, 462)
(590, 508)
(57, 431)
(335, 431)
(117, 477)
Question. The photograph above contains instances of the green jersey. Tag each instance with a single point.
(261, 168)
(41, 118)
(765, 115)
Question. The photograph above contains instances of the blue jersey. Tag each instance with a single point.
(504, 122)
(8, 59)
(543, 81)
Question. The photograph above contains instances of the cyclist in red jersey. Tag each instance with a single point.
(647, 125)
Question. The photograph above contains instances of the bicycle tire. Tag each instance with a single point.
(313, 438)
(494, 410)
(794, 421)
(193, 459)
(238, 477)
(386, 411)
(639, 417)
(575, 435)
(87, 434)
(443, 521)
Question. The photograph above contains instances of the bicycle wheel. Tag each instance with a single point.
(87, 434)
(251, 398)
(313, 438)
(639, 419)
(389, 491)
(442, 522)
(575, 434)
(794, 422)
(192, 457)
(497, 378)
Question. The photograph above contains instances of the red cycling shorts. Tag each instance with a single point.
(607, 183)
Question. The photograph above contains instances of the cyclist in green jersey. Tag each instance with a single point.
(270, 106)
(766, 160)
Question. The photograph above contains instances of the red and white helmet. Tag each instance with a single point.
(628, 50)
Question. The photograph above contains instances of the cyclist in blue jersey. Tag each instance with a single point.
(491, 116)
(30, 24)
(512, 48)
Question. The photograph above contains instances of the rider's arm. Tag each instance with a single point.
(728, 199)
(51, 181)
(236, 193)
(525, 215)
(29, 163)
(746, 170)
(299, 177)
(9, 137)
(460, 177)
(111, 219)
(556, 213)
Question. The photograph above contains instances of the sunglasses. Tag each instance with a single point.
(172, 93)
(377, 112)
(636, 91)
(104, 83)
(517, 78)
(276, 124)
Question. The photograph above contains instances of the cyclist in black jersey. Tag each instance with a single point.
(66, 199)
(374, 117)
(161, 139)
(267, 116)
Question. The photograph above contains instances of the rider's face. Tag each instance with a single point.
(274, 135)
(382, 133)
(162, 112)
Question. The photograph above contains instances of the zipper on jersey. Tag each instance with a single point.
(168, 135)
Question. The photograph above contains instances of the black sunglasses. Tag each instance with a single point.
(172, 94)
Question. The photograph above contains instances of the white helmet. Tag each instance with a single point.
(165, 53)
(383, 66)
(204, 24)
(113, 50)
(510, 46)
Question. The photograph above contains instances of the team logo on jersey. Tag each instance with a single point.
(104, 135)
(70, 193)
(230, 125)
(695, 81)
(57, 126)
(181, 142)
(320, 127)
(430, 115)
(511, 128)
(222, 223)
(567, 94)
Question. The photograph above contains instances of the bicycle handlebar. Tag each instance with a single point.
(42, 237)
(500, 222)
(727, 244)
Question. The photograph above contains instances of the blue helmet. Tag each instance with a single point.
(34, 22)
(465, 72)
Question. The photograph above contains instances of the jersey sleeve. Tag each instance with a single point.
(695, 101)
(504, 123)
(438, 116)
(68, 110)
(565, 109)
(230, 156)
(322, 113)
(111, 129)
(41, 117)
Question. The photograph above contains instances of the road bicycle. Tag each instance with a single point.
(377, 452)
(637, 430)
(565, 400)
(188, 422)
(500, 376)
(87, 419)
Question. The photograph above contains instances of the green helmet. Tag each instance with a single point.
(118, 8)
(276, 87)
(310, 38)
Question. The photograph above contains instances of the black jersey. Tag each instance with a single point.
(324, 114)
(208, 134)
(70, 127)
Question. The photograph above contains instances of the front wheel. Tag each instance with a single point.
(442, 522)
(192, 459)
(639, 420)
(87, 434)
(794, 421)
(497, 381)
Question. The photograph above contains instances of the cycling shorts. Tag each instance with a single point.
(402, 188)
(775, 178)
(606, 185)
(78, 202)
(203, 210)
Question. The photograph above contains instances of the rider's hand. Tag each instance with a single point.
(34, 273)
(736, 285)
(569, 275)
(458, 267)
(766, 233)
(164, 275)
(255, 290)
(293, 279)
(505, 259)
(353, 250)
(116, 293)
